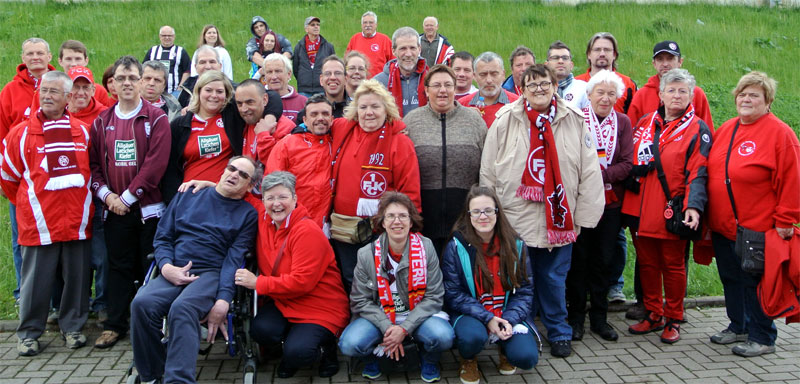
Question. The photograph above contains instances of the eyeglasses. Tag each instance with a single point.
(476, 213)
(332, 74)
(356, 69)
(121, 79)
(403, 217)
(562, 57)
(544, 85)
(243, 174)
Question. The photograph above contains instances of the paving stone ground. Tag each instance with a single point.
(632, 359)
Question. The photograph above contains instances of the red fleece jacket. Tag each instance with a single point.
(16, 98)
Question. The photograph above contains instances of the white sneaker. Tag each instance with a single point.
(615, 295)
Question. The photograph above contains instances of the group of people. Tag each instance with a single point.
(409, 210)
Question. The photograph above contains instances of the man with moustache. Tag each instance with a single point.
(461, 62)
(559, 59)
(373, 44)
(403, 75)
(154, 86)
(602, 53)
(489, 73)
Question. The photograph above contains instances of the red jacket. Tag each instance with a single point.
(378, 49)
(650, 202)
(646, 101)
(259, 146)
(45, 217)
(309, 158)
(307, 285)
(623, 101)
(764, 162)
(91, 111)
(779, 290)
(404, 165)
(16, 99)
(490, 111)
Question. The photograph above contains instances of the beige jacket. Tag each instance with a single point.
(503, 162)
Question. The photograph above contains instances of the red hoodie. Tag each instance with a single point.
(306, 285)
(91, 111)
(17, 97)
(646, 101)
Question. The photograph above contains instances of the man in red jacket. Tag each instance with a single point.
(46, 174)
(666, 56)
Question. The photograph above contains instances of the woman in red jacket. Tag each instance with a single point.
(682, 151)
(371, 157)
(308, 307)
(761, 154)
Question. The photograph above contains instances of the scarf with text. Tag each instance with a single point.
(541, 180)
(59, 150)
(604, 135)
(376, 172)
(670, 131)
(417, 276)
(312, 47)
(395, 85)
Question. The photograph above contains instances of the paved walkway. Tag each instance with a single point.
(632, 359)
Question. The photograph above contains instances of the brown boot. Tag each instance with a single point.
(504, 367)
(469, 372)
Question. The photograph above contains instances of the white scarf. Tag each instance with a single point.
(604, 134)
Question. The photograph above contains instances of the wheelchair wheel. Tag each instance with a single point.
(133, 378)
(249, 378)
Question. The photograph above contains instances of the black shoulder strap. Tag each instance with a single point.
(728, 179)
(657, 159)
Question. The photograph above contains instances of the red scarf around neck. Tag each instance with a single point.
(541, 180)
(312, 47)
(376, 171)
(59, 150)
(671, 131)
(395, 84)
(417, 275)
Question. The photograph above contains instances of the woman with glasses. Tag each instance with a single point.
(397, 292)
(488, 288)
(448, 138)
(540, 160)
(670, 147)
(356, 67)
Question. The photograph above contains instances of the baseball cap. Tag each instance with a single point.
(79, 71)
(668, 46)
(310, 19)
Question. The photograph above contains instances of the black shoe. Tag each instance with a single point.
(285, 372)
(636, 312)
(561, 348)
(605, 331)
(329, 363)
(577, 331)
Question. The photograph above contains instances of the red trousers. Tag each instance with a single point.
(662, 262)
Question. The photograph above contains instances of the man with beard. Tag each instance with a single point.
(559, 59)
(308, 156)
(461, 63)
(489, 73)
(403, 75)
(602, 53)
(261, 111)
(154, 85)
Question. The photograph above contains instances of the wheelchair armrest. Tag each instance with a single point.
(151, 257)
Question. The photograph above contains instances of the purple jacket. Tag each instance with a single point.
(622, 163)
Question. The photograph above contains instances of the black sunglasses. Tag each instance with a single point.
(243, 174)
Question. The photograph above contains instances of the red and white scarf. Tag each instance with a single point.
(417, 276)
(395, 85)
(376, 171)
(59, 150)
(604, 135)
(541, 180)
(312, 47)
(671, 131)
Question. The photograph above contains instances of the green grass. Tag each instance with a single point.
(719, 45)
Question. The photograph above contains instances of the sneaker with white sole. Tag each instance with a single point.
(504, 367)
(469, 373)
(615, 295)
(751, 349)
(726, 336)
(73, 340)
(28, 347)
(52, 316)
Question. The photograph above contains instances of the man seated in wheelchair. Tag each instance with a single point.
(397, 292)
(200, 243)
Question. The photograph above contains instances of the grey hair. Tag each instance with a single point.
(204, 48)
(607, 77)
(488, 57)
(279, 57)
(404, 32)
(431, 17)
(35, 40)
(370, 13)
(677, 75)
(156, 66)
(257, 171)
(58, 75)
(279, 178)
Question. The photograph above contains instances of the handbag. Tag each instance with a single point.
(750, 244)
(350, 229)
(673, 212)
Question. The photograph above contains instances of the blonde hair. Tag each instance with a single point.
(759, 79)
(206, 78)
(377, 89)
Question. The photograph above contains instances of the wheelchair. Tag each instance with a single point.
(241, 312)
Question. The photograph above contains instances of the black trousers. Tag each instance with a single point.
(302, 341)
(590, 271)
(128, 241)
(346, 259)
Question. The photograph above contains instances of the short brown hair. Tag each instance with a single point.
(72, 45)
(759, 79)
(539, 70)
(439, 68)
(393, 197)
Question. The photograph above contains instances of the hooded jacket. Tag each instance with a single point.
(508, 85)
(17, 97)
(308, 76)
(410, 85)
(252, 44)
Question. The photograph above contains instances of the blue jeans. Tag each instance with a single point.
(618, 262)
(471, 337)
(99, 260)
(361, 337)
(12, 214)
(741, 300)
(549, 289)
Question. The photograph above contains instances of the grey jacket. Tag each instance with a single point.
(364, 300)
(410, 86)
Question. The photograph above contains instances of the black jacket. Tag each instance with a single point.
(308, 78)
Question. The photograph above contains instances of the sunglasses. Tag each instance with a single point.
(243, 174)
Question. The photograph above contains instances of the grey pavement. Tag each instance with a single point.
(632, 359)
